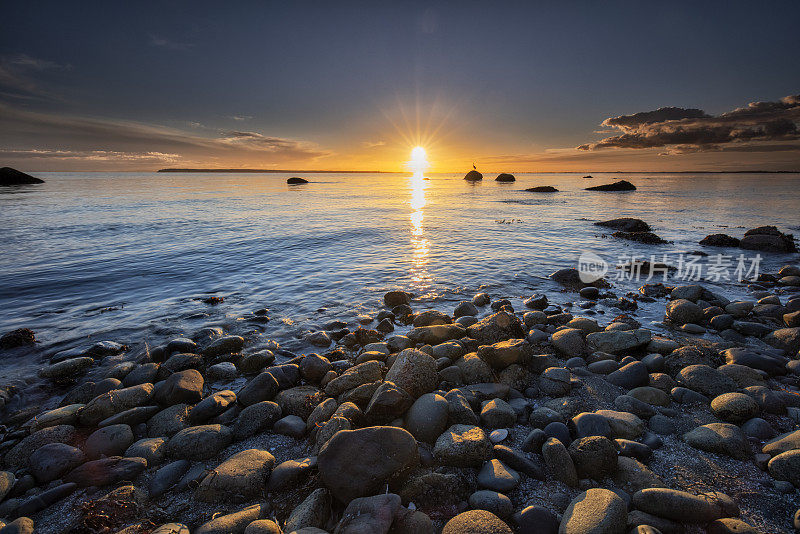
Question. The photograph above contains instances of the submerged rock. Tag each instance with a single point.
(542, 189)
(473, 176)
(719, 240)
(625, 224)
(294, 180)
(505, 177)
(622, 185)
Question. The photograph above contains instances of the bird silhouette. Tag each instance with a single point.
(474, 168)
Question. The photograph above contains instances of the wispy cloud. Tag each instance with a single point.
(372, 144)
(162, 42)
(239, 118)
(18, 76)
(28, 134)
(758, 126)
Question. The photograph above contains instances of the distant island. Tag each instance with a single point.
(292, 171)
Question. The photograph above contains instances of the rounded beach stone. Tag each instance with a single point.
(734, 407)
(721, 438)
(594, 457)
(356, 463)
(53, 461)
(462, 446)
(595, 511)
(427, 417)
(199, 442)
(494, 475)
(238, 479)
(680, 506)
(476, 522)
(108, 441)
(491, 501)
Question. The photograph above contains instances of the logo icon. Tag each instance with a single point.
(591, 267)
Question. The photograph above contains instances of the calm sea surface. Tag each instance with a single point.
(127, 256)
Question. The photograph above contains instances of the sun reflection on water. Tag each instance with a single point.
(420, 246)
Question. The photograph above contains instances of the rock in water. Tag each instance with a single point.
(473, 176)
(768, 239)
(505, 177)
(719, 240)
(357, 463)
(9, 176)
(542, 189)
(626, 224)
(622, 185)
(294, 180)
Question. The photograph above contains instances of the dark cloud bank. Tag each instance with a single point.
(759, 127)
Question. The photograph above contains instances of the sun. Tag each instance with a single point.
(419, 160)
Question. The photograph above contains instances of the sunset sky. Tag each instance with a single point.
(528, 86)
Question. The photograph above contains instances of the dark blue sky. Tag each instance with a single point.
(337, 84)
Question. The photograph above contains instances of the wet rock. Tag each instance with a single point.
(621, 185)
(17, 338)
(721, 438)
(66, 369)
(473, 176)
(462, 446)
(381, 452)
(238, 479)
(181, 387)
(396, 298)
(224, 345)
(767, 239)
(682, 311)
(719, 240)
(502, 354)
(595, 511)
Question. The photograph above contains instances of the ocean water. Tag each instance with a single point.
(128, 256)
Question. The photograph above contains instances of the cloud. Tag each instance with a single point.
(90, 155)
(239, 118)
(53, 135)
(161, 42)
(686, 130)
(17, 76)
(373, 144)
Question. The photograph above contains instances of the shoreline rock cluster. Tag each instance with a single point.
(480, 419)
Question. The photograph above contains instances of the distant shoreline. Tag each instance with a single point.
(296, 171)
(282, 171)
